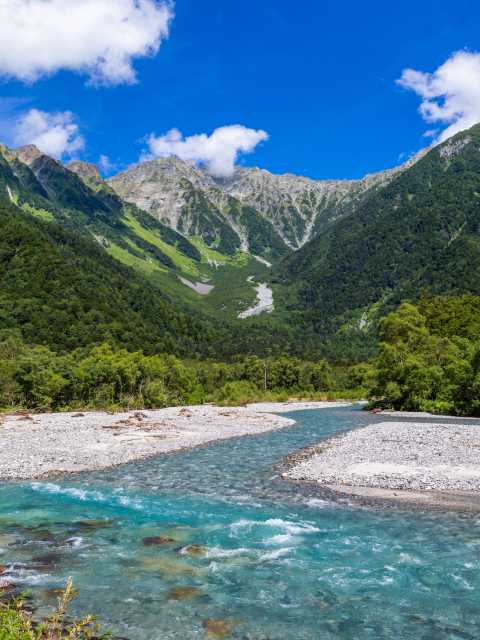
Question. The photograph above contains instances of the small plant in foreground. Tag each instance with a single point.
(16, 622)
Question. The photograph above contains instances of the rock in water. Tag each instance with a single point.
(152, 541)
(184, 593)
(193, 550)
(218, 628)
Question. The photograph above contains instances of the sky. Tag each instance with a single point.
(325, 89)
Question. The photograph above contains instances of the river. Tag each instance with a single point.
(243, 552)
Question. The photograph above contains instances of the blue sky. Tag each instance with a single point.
(319, 77)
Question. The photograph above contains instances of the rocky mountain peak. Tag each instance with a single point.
(160, 186)
(170, 169)
(86, 171)
(297, 207)
(28, 154)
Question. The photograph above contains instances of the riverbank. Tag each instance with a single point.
(162, 548)
(42, 445)
(414, 463)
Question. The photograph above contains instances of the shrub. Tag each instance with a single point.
(16, 623)
(240, 393)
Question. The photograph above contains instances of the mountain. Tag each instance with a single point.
(203, 241)
(253, 210)
(79, 200)
(79, 266)
(64, 291)
(190, 201)
(419, 233)
(337, 254)
(300, 208)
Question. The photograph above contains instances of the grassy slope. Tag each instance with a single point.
(134, 238)
(184, 263)
(64, 291)
(228, 274)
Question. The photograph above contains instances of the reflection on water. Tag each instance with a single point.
(211, 543)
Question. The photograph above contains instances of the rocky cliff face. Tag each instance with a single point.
(292, 209)
(191, 202)
(88, 172)
(27, 154)
(300, 208)
(160, 187)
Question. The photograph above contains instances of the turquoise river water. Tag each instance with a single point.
(267, 558)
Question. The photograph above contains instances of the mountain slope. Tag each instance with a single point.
(77, 198)
(300, 208)
(254, 210)
(61, 289)
(64, 291)
(189, 201)
(420, 232)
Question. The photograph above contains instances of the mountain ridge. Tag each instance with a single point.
(295, 208)
(420, 233)
(254, 210)
(77, 198)
(374, 242)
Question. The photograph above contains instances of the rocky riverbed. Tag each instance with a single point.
(40, 445)
(263, 304)
(391, 459)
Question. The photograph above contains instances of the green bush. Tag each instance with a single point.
(155, 395)
(421, 370)
(240, 392)
(16, 622)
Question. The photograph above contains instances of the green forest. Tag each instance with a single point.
(102, 376)
(428, 360)
(383, 305)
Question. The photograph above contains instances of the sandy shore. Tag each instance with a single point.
(414, 463)
(40, 445)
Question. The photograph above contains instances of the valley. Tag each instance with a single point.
(176, 225)
(248, 265)
(239, 320)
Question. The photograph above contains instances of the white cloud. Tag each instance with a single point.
(105, 165)
(450, 95)
(56, 134)
(99, 38)
(218, 152)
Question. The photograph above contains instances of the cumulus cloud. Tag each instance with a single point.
(56, 134)
(99, 38)
(450, 95)
(218, 152)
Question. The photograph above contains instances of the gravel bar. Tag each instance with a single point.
(404, 456)
(42, 445)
